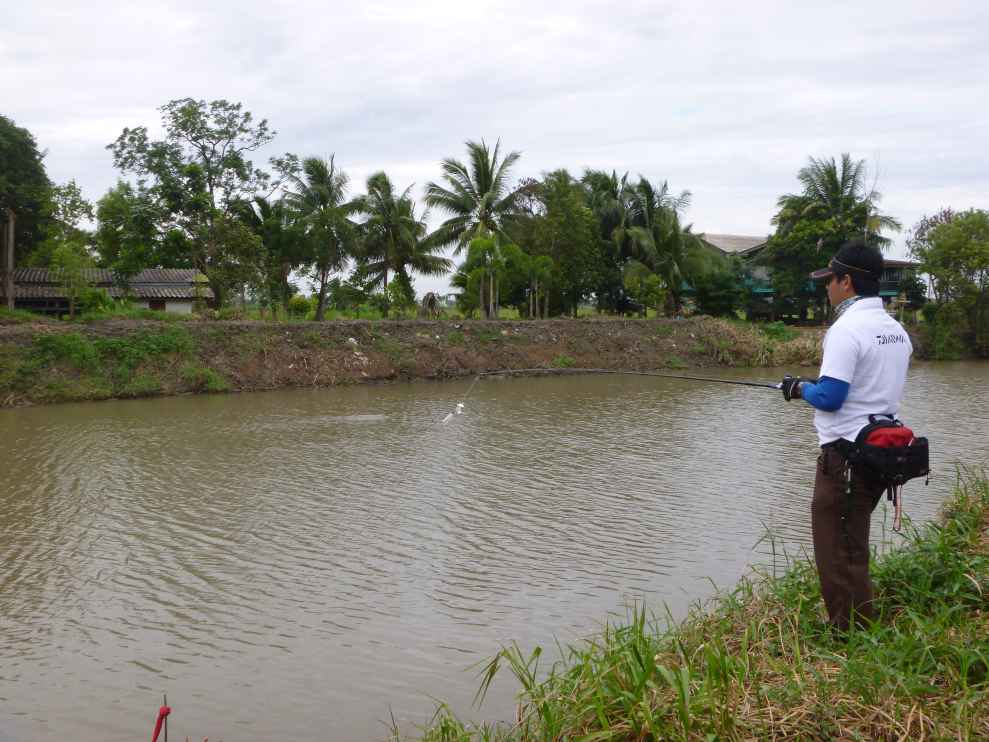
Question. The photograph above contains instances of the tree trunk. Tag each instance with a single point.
(491, 305)
(545, 304)
(321, 299)
(7, 259)
(384, 304)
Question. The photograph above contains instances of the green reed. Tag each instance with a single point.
(759, 662)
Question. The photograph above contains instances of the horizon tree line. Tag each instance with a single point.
(544, 246)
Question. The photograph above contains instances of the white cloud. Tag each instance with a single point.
(724, 99)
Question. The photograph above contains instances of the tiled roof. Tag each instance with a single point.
(154, 283)
(732, 243)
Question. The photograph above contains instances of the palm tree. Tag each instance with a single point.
(659, 241)
(837, 191)
(393, 237)
(283, 242)
(476, 196)
(319, 197)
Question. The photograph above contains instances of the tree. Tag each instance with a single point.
(67, 208)
(24, 199)
(643, 286)
(609, 198)
(476, 196)
(660, 242)
(914, 290)
(567, 233)
(284, 247)
(956, 256)
(127, 233)
(721, 292)
(198, 171)
(319, 197)
(919, 244)
(72, 262)
(833, 207)
(393, 237)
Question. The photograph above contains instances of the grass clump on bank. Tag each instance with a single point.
(760, 663)
(66, 366)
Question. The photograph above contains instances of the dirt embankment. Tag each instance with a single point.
(52, 362)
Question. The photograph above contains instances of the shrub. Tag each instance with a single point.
(299, 306)
(70, 348)
(778, 331)
(563, 362)
(203, 378)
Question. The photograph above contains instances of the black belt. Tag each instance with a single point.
(841, 446)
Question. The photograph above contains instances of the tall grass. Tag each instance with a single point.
(760, 663)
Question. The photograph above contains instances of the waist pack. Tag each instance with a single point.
(888, 451)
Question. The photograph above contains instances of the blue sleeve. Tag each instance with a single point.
(827, 394)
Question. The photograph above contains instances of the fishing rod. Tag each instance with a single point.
(624, 372)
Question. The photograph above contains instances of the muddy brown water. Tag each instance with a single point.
(301, 565)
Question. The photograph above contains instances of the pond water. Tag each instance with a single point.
(301, 565)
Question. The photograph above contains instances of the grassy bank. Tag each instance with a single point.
(50, 361)
(758, 663)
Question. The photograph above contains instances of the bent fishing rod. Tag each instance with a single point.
(627, 372)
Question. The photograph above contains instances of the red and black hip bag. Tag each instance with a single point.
(888, 451)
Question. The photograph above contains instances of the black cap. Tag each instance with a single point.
(854, 257)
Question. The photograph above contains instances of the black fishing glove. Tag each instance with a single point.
(791, 387)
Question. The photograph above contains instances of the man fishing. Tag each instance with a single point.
(863, 373)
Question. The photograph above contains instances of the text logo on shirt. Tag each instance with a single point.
(890, 339)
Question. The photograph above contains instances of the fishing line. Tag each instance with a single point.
(625, 372)
(460, 404)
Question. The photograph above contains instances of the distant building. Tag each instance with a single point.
(734, 244)
(748, 247)
(159, 289)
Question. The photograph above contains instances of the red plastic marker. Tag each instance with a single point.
(163, 713)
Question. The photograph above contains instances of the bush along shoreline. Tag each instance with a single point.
(759, 662)
(48, 361)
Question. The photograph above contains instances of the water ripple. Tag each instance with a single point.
(301, 560)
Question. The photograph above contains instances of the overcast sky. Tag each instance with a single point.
(726, 99)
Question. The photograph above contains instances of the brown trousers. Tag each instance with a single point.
(840, 526)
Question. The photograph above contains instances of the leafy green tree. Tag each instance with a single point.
(24, 199)
(127, 233)
(198, 171)
(720, 293)
(660, 242)
(957, 259)
(643, 286)
(346, 296)
(72, 262)
(319, 197)
(67, 208)
(609, 198)
(393, 237)
(566, 232)
(914, 290)
(284, 244)
(833, 206)
(477, 195)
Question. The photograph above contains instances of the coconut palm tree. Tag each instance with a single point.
(659, 241)
(838, 191)
(393, 237)
(319, 197)
(284, 246)
(476, 195)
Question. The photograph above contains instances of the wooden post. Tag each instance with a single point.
(8, 260)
